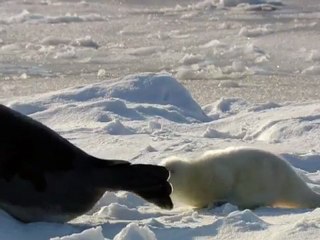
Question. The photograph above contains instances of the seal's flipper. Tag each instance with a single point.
(157, 194)
(148, 181)
(151, 183)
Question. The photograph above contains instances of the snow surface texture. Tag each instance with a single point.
(235, 47)
(240, 62)
(147, 117)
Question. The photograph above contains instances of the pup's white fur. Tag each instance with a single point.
(246, 177)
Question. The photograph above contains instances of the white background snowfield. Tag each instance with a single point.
(220, 73)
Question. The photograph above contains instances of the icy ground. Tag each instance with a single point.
(147, 117)
(255, 49)
(238, 72)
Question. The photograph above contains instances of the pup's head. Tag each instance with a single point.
(179, 171)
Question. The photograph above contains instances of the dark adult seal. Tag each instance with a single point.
(43, 177)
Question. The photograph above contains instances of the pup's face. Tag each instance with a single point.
(178, 169)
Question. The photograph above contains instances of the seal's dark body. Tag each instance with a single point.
(43, 177)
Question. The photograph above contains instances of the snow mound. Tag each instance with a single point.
(87, 41)
(155, 89)
(190, 59)
(264, 106)
(214, 44)
(212, 133)
(225, 107)
(158, 94)
(228, 208)
(144, 51)
(63, 48)
(115, 127)
(279, 131)
(55, 41)
(225, 209)
(66, 52)
(309, 223)
(121, 212)
(68, 18)
(244, 221)
(135, 232)
(309, 162)
(136, 97)
(255, 32)
(129, 200)
(27, 109)
(88, 234)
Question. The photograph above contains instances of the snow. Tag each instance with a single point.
(133, 232)
(144, 80)
(92, 233)
(109, 119)
(26, 16)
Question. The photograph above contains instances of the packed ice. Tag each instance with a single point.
(143, 80)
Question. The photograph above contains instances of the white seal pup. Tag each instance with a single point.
(246, 177)
(43, 177)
